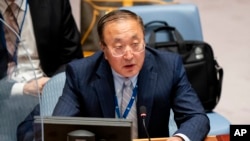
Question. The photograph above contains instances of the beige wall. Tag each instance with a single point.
(75, 5)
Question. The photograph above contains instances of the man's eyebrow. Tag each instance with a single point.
(117, 40)
(135, 36)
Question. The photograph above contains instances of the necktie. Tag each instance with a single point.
(126, 96)
(10, 37)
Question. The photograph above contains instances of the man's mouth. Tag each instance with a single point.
(129, 66)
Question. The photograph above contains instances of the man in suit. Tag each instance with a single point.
(49, 34)
(94, 84)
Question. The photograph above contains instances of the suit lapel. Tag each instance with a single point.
(105, 89)
(147, 83)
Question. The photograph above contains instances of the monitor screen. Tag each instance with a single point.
(104, 129)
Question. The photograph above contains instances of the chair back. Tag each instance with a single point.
(185, 17)
(51, 92)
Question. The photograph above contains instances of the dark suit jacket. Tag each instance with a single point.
(162, 84)
(57, 36)
(56, 33)
(3, 52)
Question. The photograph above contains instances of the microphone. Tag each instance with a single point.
(143, 114)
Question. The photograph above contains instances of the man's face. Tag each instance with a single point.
(124, 48)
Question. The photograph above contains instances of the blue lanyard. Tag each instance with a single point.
(131, 101)
(20, 30)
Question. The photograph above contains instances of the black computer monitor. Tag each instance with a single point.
(105, 129)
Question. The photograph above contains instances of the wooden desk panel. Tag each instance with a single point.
(209, 138)
(223, 138)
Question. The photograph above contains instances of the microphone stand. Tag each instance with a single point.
(143, 115)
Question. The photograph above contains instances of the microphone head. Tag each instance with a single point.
(143, 111)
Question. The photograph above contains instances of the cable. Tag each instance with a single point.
(29, 58)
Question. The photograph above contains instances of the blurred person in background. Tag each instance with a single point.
(47, 33)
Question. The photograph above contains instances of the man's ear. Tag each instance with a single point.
(101, 46)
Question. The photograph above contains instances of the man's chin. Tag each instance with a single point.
(130, 74)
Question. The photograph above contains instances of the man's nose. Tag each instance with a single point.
(128, 53)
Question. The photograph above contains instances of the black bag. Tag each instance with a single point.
(203, 71)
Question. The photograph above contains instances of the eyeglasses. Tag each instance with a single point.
(119, 51)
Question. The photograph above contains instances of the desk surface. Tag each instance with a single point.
(209, 138)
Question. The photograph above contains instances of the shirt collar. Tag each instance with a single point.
(120, 79)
